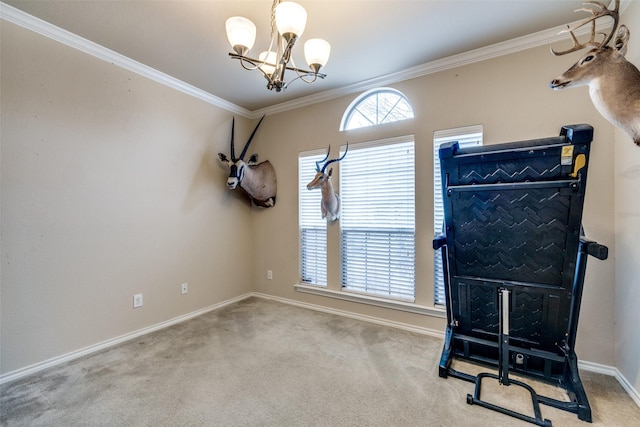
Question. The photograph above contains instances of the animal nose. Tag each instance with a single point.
(232, 183)
(557, 83)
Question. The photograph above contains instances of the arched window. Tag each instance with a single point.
(375, 107)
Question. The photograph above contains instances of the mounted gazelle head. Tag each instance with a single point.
(614, 82)
(257, 179)
(330, 202)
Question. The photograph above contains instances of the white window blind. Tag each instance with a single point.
(466, 137)
(313, 229)
(377, 226)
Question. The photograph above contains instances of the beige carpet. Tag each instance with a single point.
(263, 363)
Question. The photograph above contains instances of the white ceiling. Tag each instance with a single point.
(369, 38)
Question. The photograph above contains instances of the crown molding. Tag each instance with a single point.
(541, 38)
(46, 29)
(37, 25)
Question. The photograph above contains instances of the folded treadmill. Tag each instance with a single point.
(514, 259)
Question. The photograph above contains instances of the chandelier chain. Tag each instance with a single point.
(273, 17)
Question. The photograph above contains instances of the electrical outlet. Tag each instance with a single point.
(185, 288)
(269, 274)
(137, 300)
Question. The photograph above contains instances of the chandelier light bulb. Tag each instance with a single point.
(241, 33)
(316, 52)
(270, 57)
(291, 18)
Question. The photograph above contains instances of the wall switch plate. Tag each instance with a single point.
(137, 300)
(185, 288)
(269, 274)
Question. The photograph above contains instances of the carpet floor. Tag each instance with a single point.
(263, 363)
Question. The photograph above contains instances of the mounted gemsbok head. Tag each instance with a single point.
(330, 202)
(258, 180)
(614, 82)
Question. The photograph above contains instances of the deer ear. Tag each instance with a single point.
(330, 171)
(620, 42)
(253, 159)
(222, 157)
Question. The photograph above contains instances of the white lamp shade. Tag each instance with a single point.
(270, 57)
(316, 51)
(241, 32)
(290, 18)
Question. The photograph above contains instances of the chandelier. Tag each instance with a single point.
(288, 20)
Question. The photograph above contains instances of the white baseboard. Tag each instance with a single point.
(628, 387)
(597, 368)
(58, 360)
(614, 372)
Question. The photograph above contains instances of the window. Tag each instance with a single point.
(313, 229)
(466, 137)
(375, 107)
(377, 226)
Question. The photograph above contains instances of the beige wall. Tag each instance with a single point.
(511, 98)
(110, 187)
(627, 221)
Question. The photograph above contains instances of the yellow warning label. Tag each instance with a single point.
(567, 155)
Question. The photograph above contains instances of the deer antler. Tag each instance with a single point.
(324, 167)
(597, 10)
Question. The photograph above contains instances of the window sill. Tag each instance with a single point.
(371, 300)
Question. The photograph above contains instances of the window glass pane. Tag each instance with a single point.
(377, 226)
(466, 137)
(359, 119)
(312, 228)
(387, 102)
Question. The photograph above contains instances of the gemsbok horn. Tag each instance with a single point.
(614, 82)
(258, 180)
(330, 201)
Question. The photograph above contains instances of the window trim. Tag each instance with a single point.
(436, 311)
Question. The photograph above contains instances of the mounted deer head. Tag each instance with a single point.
(258, 180)
(330, 202)
(614, 82)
